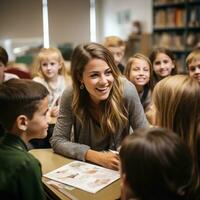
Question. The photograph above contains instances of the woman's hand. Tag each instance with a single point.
(106, 159)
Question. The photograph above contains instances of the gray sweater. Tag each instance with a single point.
(72, 140)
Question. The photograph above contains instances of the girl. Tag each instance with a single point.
(163, 61)
(176, 100)
(155, 165)
(139, 72)
(100, 109)
(49, 69)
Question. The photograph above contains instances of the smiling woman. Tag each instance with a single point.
(98, 111)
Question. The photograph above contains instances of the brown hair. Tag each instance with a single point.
(19, 96)
(113, 41)
(156, 164)
(3, 56)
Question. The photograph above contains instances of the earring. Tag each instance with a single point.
(82, 86)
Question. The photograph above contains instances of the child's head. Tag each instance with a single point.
(177, 104)
(3, 62)
(24, 104)
(49, 63)
(163, 61)
(139, 71)
(117, 46)
(155, 165)
(193, 64)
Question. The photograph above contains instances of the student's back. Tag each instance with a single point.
(20, 172)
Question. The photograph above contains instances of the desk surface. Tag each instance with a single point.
(51, 161)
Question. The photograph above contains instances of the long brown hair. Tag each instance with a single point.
(177, 102)
(113, 111)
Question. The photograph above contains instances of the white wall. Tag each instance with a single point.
(69, 21)
(139, 10)
(21, 20)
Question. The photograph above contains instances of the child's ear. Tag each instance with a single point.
(22, 122)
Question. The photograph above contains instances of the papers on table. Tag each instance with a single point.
(82, 175)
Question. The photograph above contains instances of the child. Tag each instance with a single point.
(176, 100)
(139, 72)
(193, 64)
(117, 47)
(163, 61)
(24, 105)
(155, 165)
(49, 69)
(3, 63)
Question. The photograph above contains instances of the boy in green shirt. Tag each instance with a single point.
(24, 105)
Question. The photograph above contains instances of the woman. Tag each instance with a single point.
(98, 112)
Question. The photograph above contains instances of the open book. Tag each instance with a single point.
(82, 175)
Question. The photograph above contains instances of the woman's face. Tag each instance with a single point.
(163, 65)
(140, 72)
(98, 79)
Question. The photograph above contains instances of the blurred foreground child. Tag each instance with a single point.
(155, 165)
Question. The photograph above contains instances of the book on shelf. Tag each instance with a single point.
(194, 17)
(160, 18)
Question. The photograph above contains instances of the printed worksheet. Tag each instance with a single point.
(85, 176)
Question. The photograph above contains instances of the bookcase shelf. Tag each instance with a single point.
(176, 25)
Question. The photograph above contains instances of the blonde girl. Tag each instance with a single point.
(49, 69)
(163, 61)
(177, 107)
(98, 111)
(139, 72)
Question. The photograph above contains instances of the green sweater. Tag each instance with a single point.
(20, 172)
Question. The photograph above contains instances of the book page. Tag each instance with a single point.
(82, 175)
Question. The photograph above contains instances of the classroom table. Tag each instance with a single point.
(51, 161)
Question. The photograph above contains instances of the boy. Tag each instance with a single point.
(24, 105)
(193, 64)
(117, 47)
(3, 63)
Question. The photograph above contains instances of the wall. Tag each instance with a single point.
(69, 21)
(111, 10)
(21, 22)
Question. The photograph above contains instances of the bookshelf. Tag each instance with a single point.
(176, 25)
